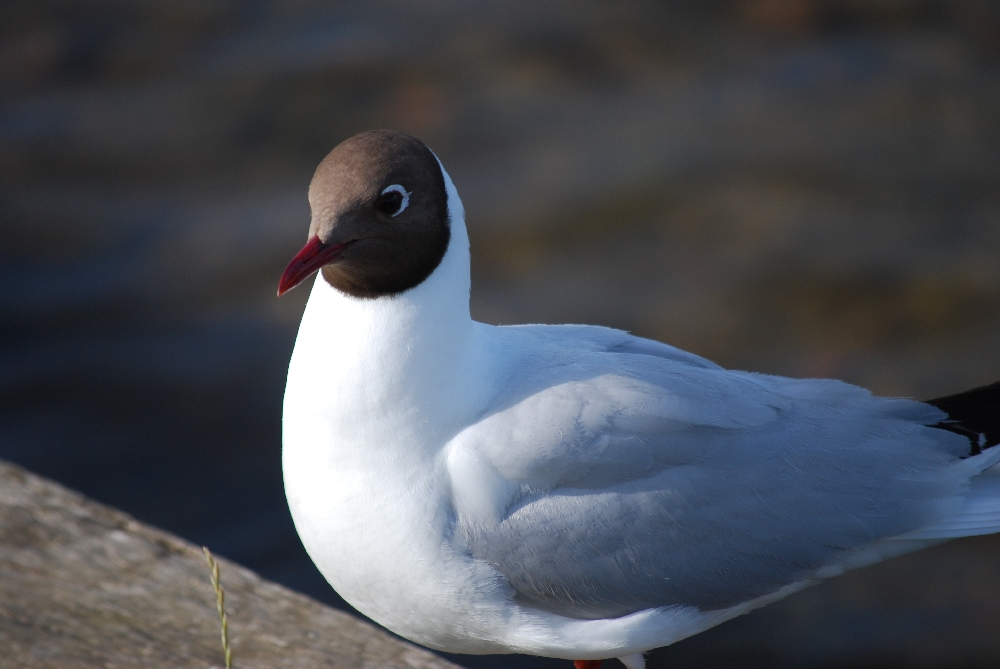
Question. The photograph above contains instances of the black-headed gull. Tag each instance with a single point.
(574, 491)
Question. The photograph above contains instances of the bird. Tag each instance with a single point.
(573, 491)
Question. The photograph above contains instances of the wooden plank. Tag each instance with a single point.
(85, 586)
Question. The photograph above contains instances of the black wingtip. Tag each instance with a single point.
(974, 414)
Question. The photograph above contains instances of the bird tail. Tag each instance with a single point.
(974, 414)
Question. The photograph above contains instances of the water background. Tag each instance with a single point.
(799, 187)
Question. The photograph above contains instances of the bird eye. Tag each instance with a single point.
(393, 200)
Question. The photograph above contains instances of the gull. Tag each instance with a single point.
(574, 491)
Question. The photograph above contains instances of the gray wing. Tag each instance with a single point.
(754, 484)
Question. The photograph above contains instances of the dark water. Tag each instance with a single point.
(803, 188)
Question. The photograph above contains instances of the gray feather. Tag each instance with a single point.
(658, 481)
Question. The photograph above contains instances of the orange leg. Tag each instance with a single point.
(587, 664)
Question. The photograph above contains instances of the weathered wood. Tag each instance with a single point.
(85, 586)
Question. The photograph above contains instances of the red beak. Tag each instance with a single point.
(313, 255)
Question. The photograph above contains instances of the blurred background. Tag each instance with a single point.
(798, 187)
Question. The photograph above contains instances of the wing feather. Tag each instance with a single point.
(611, 481)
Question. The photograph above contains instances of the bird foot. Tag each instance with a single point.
(587, 664)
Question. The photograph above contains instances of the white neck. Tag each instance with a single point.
(390, 356)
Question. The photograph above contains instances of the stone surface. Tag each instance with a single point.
(83, 585)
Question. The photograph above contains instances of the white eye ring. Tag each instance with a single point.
(396, 188)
